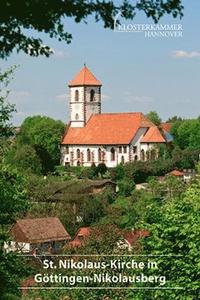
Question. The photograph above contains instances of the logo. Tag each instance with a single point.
(149, 30)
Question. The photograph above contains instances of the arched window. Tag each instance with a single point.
(76, 95)
(136, 158)
(72, 157)
(147, 155)
(112, 151)
(78, 153)
(76, 117)
(142, 155)
(120, 149)
(153, 154)
(92, 94)
(78, 163)
(88, 155)
(99, 154)
(122, 159)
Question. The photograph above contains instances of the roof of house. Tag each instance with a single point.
(132, 236)
(107, 129)
(166, 126)
(39, 230)
(153, 135)
(82, 232)
(176, 173)
(84, 77)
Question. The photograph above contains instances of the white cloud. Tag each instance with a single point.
(185, 54)
(62, 97)
(18, 96)
(105, 97)
(139, 99)
(20, 93)
(60, 54)
(21, 113)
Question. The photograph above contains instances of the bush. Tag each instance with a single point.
(101, 169)
(126, 186)
(26, 159)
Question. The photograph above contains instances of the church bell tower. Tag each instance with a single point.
(85, 97)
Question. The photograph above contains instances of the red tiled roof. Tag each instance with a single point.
(84, 77)
(132, 236)
(176, 173)
(153, 135)
(166, 126)
(83, 231)
(81, 235)
(107, 129)
(39, 230)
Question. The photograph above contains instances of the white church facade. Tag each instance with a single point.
(110, 138)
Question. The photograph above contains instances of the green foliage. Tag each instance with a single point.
(139, 171)
(154, 117)
(13, 196)
(6, 109)
(186, 133)
(126, 186)
(13, 205)
(12, 270)
(174, 119)
(185, 159)
(44, 134)
(174, 232)
(92, 210)
(174, 186)
(25, 159)
(168, 188)
(118, 173)
(48, 17)
(102, 239)
(101, 169)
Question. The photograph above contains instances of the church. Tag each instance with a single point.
(110, 138)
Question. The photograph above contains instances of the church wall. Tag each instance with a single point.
(106, 156)
(77, 107)
(136, 143)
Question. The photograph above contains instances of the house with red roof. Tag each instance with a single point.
(80, 238)
(110, 138)
(132, 238)
(41, 235)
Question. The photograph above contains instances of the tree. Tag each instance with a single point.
(13, 205)
(186, 133)
(6, 111)
(101, 169)
(25, 159)
(44, 134)
(13, 196)
(92, 210)
(12, 270)
(154, 117)
(126, 186)
(174, 119)
(48, 17)
(175, 233)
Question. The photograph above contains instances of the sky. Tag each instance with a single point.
(137, 73)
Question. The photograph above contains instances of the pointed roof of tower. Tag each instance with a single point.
(84, 77)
